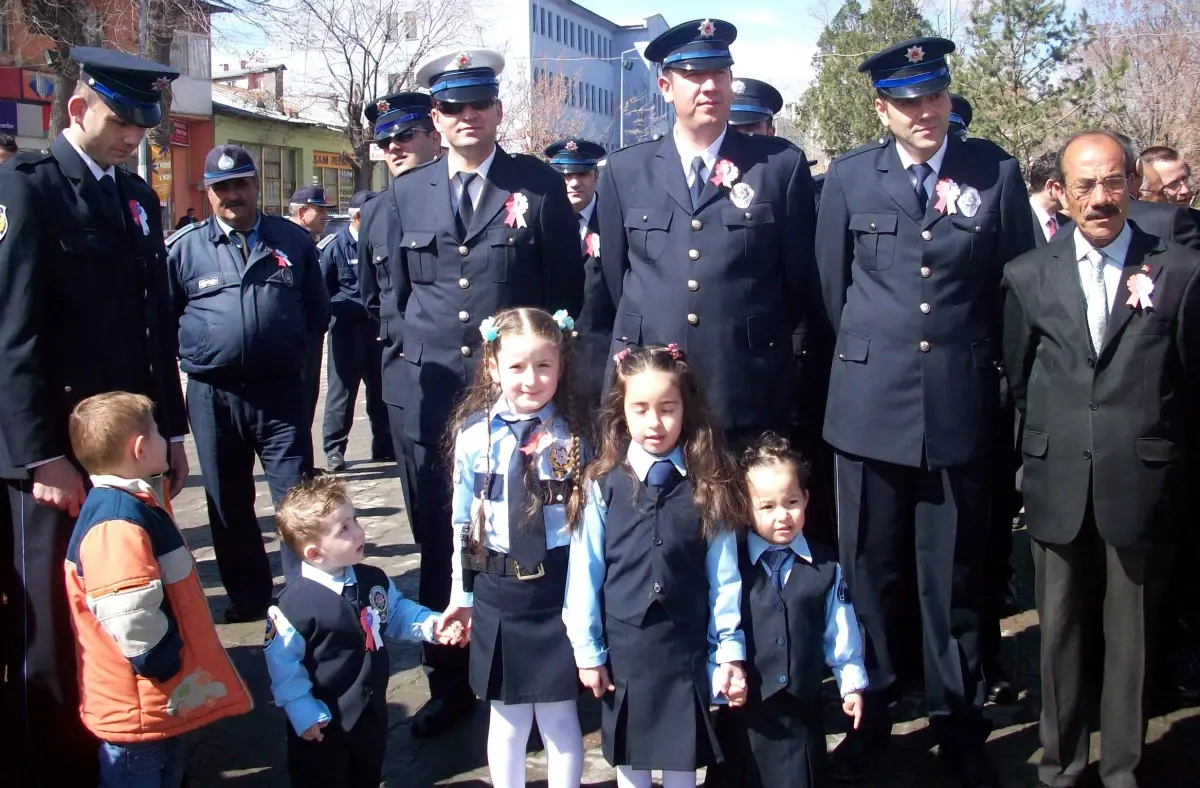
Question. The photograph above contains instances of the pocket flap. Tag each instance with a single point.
(416, 240)
(648, 219)
(754, 215)
(1035, 444)
(873, 222)
(511, 236)
(851, 346)
(495, 484)
(206, 284)
(762, 332)
(984, 353)
(628, 328)
(89, 243)
(412, 350)
(1156, 450)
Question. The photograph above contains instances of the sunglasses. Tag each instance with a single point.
(403, 136)
(456, 108)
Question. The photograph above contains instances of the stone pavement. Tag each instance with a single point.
(249, 750)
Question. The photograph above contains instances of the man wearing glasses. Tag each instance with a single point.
(449, 244)
(1168, 178)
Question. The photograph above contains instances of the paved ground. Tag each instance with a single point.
(249, 751)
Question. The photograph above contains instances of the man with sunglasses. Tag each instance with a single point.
(404, 131)
(449, 244)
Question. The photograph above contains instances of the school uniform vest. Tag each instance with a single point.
(654, 550)
(345, 676)
(785, 632)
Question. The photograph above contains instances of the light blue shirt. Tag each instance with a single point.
(291, 685)
(586, 570)
(475, 453)
(251, 235)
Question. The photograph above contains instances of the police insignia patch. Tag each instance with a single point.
(915, 54)
(843, 592)
(3, 222)
(560, 459)
(572, 146)
(739, 87)
(269, 636)
(225, 162)
(463, 60)
(707, 29)
(378, 599)
(382, 105)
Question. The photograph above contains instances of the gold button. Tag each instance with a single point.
(694, 319)
(925, 346)
(464, 316)
(694, 254)
(928, 236)
(925, 308)
(926, 272)
(697, 224)
(748, 215)
(466, 351)
(693, 285)
(464, 283)
(462, 251)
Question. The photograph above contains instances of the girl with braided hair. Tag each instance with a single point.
(518, 449)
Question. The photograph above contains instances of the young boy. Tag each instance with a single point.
(325, 642)
(150, 663)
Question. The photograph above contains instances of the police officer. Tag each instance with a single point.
(961, 115)
(354, 348)
(578, 160)
(755, 105)
(248, 293)
(307, 209)
(453, 242)
(707, 238)
(83, 283)
(913, 234)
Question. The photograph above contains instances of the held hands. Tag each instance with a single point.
(597, 680)
(58, 484)
(177, 461)
(454, 627)
(852, 704)
(730, 681)
(314, 732)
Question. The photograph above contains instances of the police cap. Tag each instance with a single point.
(361, 198)
(395, 114)
(462, 75)
(130, 86)
(699, 45)
(911, 68)
(574, 155)
(227, 162)
(309, 195)
(753, 100)
(960, 111)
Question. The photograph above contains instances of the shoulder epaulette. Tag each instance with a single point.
(182, 231)
(876, 144)
(321, 244)
(25, 158)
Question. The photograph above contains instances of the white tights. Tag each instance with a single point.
(508, 733)
(638, 778)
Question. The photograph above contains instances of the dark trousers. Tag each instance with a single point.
(1003, 463)
(1096, 604)
(232, 423)
(402, 447)
(312, 390)
(42, 738)
(342, 759)
(354, 356)
(894, 519)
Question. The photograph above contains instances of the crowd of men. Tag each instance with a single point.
(930, 311)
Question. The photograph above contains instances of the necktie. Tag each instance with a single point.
(112, 202)
(697, 180)
(526, 536)
(582, 226)
(242, 243)
(1051, 228)
(774, 558)
(466, 208)
(920, 172)
(350, 594)
(1097, 300)
(660, 473)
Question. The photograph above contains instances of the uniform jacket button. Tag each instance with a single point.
(925, 346)
(781, 641)
(412, 245)
(67, 389)
(925, 309)
(872, 225)
(926, 272)
(783, 679)
(464, 316)
(697, 224)
(928, 236)
(511, 240)
(693, 320)
(464, 283)
(693, 285)
(748, 215)
(694, 254)
(1087, 455)
(463, 251)
(645, 218)
(658, 541)
(466, 351)
(657, 588)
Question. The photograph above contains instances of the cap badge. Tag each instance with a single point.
(382, 105)
(571, 146)
(161, 84)
(225, 162)
(739, 87)
(915, 54)
(462, 60)
(707, 28)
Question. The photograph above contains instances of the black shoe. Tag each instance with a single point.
(335, 462)
(970, 767)
(439, 715)
(383, 455)
(857, 755)
(1001, 693)
(238, 615)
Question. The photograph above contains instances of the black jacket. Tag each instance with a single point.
(339, 267)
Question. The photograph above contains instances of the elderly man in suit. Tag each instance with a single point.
(1102, 348)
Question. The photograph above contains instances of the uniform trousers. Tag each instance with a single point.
(893, 518)
(402, 447)
(1097, 605)
(354, 357)
(313, 355)
(342, 759)
(231, 423)
(42, 737)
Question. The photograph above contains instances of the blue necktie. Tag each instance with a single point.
(526, 535)
(774, 558)
(920, 173)
(660, 473)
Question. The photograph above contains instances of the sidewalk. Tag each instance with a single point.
(249, 751)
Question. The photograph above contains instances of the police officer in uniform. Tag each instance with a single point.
(451, 243)
(578, 161)
(755, 105)
(307, 209)
(913, 234)
(354, 348)
(707, 238)
(83, 283)
(961, 114)
(247, 291)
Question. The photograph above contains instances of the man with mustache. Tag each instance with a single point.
(247, 291)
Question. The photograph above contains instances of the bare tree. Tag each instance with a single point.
(541, 108)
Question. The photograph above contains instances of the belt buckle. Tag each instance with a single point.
(541, 572)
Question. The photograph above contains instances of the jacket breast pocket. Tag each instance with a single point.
(982, 229)
(510, 250)
(755, 224)
(420, 249)
(487, 486)
(627, 331)
(1035, 444)
(647, 230)
(852, 347)
(874, 239)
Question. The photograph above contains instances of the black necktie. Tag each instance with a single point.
(660, 473)
(350, 594)
(466, 208)
(527, 536)
(112, 202)
(698, 180)
(920, 173)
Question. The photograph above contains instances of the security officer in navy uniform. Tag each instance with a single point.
(452, 242)
(307, 210)
(354, 347)
(912, 237)
(578, 161)
(247, 291)
(83, 284)
(707, 238)
(755, 105)
(961, 114)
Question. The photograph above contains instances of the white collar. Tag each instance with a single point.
(935, 161)
(353, 233)
(481, 170)
(1115, 252)
(334, 583)
(709, 154)
(131, 486)
(641, 460)
(584, 217)
(1042, 216)
(90, 162)
(504, 411)
(756, 546)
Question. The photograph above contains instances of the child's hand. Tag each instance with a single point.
(597, 680)
(731, 682)
(454, 626)
(314, 732)
(454, 635)
(852, 704)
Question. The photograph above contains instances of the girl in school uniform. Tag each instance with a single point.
(653, 577)
(798, 620)
(517, 454)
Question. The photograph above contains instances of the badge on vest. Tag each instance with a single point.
(208, 281)
(3, 222)
(378, 599)
(271, 632)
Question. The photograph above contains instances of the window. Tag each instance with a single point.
(542, 14)
(93, 28)
(558, 28)
(533, 17)
(412, 21)
(5, 43)
(592, 43)
(190, 54)
(335, 175)
(277, 175)
(571, 29)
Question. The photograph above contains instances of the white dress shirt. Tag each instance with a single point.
(1114, 262)
(585, 216)
(1044, 219)
(91, 163)
(476, 187)
(935, 161)
(709, 155)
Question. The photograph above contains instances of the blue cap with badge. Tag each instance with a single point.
(699, 45)
(753, 100)
(227, 162)
(911, 68)
(309, 195)
(960, 112)
(462, 76)
(129, 85)
(361, 198)
(395, 114)
(575, 155)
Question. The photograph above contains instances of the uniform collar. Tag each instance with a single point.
(709, 154)
(95, 168)
(1116, 252)
(503, 410)
(227, 230)
(481, 170)
(935, 161)
(641, 460)
(138, 487)
(334, 583)
(756, 546)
